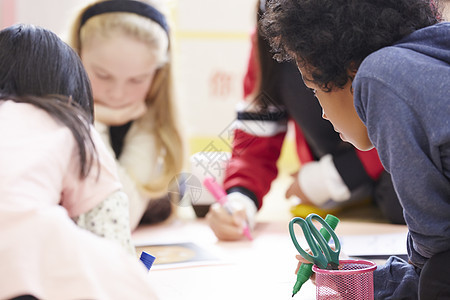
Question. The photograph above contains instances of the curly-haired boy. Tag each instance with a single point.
(381, 72)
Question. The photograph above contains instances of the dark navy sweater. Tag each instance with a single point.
(402, 94)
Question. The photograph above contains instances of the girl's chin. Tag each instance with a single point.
(112, 105)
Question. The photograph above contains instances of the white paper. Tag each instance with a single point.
(374, 245)
(179, 255)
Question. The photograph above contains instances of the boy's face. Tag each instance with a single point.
(338, 108)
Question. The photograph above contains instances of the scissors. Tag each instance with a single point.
(323, 256)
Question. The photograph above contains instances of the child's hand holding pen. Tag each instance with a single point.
(233, 216)
(226, 226)
(302, 260)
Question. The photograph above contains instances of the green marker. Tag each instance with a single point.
(305, 270)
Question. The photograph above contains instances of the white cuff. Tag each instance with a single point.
(320, 181)
(239, 199)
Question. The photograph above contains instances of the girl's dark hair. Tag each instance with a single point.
(37, 67)
(330, 37)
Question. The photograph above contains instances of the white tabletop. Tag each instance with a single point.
(259, 269)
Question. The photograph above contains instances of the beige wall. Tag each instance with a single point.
(211, 46)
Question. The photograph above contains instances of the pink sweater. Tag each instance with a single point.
(42, 251)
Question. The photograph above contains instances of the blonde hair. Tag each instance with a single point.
(160, 117)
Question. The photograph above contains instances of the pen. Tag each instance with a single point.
(221, 197)
(305, 270)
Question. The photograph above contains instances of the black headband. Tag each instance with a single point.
(129, 6)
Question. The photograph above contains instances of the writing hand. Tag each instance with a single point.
(229, 227)
(225, 226)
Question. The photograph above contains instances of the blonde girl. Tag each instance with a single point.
(125, 48)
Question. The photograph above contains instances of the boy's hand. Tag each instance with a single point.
(301, 261)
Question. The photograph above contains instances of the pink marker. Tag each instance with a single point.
(221, 197)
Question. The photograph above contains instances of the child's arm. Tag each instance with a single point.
(97, 203)
(110, 219)
(319, 183)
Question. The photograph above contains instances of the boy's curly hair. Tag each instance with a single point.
(330, 37)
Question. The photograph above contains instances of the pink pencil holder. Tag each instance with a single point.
(353, 280)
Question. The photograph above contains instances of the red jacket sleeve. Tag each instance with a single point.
(253, 163)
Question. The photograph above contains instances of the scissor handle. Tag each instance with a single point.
(331, 256)
(308, 236)
(316, 241)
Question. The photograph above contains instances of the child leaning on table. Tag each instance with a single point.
(54, 170)
(126, 51)
(333, 174)
(381, 72)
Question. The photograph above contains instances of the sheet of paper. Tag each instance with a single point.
(374, 244)
(177, 255)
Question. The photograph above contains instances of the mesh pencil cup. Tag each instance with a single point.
(353, 280)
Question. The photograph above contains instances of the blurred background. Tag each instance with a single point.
(211, 44)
